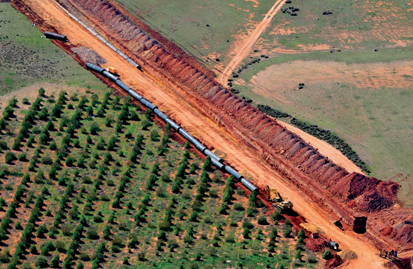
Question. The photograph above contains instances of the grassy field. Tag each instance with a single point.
(185, 23)
(369, 108)
(90, 181)
(375, 122)
(26, 58)
(357, 25)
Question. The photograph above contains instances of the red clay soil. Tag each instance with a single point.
(335, 262)
(332, 187)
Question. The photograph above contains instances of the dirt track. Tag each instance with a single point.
(191, 119)
(244, 47)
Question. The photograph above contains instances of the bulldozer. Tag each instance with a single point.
(277, 201)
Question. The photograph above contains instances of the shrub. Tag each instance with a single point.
(10, 157)
(287, 232)
(84, 257)
(69, 161)
(327, 254)
(41, 262)
(301, 234)
(262, 220)
(94, 128)
(54, 263)
(23, 157)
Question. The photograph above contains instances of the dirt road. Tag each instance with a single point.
(207, 131)
(244, 48)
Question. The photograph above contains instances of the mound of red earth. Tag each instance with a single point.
(330, 185)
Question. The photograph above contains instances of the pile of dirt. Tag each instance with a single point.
(88, 55)
(328, 184)
(315, 244)
(348, 255)
(403, 231)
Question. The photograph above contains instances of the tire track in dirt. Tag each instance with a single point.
(245, 47)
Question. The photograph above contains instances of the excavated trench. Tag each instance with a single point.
(346, 194)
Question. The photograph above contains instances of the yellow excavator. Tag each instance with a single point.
(277, 201)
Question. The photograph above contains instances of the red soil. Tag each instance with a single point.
(330, 185)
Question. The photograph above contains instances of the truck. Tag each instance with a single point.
(277, 201)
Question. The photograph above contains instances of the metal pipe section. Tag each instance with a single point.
(248, 184)
(209, 153)
(56, 36)
(110, 76)
(135, 95)
(174, 125)
(95, 68)
(192, 139)
(217, 164)
(232, 171)
(160, 114)
(147, 104)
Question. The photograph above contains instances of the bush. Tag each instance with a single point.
(41, 262)
(94, 128)
(262, 220)
(327, 254)
(10, 157)
(23, 157)
(84, 257)
(69, 161)
(287, 232)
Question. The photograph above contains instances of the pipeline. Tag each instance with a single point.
(216, 161)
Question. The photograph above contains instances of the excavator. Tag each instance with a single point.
(277, 201)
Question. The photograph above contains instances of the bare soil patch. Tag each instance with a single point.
(363, 76)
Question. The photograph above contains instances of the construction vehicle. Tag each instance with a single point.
(112, 70)
(333, 245)
(277, 201)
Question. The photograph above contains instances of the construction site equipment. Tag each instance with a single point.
(112, 70)
(333, 245)
(277, 201)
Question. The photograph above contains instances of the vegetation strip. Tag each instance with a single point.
(320, 133)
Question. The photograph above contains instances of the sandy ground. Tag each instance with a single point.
(324, 148)
(364, 76)
(244, 48)
(209, 133)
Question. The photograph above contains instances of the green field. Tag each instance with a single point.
(185, 23)
(26, 58)
(91, 181)
(352, 26)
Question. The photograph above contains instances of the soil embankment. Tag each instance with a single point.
(346, 194)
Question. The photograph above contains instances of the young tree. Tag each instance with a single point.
(10, 157)
(207, 164)
(94, 128)
(327, 254)
(41, 92)
(54, 263)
